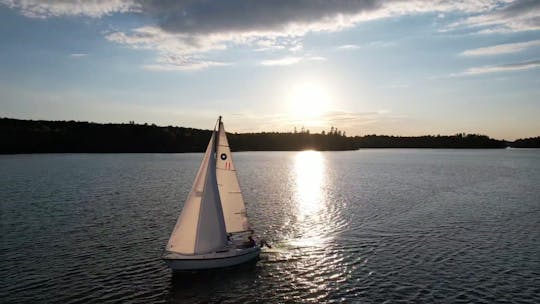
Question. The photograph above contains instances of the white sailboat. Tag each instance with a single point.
(212, 230)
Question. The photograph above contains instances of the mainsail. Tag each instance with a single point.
(200, 228)
(232, 201)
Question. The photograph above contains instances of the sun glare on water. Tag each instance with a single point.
(309, 168)
(309, 102)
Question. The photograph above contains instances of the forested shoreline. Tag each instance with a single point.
(41, 136)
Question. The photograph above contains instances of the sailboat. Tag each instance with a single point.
(212, 230)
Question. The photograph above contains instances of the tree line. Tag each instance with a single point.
(41, 136)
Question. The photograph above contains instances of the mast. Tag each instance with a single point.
(217, 137)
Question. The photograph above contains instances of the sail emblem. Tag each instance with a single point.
(223, 156)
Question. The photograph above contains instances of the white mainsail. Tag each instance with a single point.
(232, 201)
(200, 228)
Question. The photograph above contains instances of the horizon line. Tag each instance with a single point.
(279, 132)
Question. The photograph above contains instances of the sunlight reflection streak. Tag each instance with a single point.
(310, 196)
(309, 167)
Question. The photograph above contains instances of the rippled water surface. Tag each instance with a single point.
(367, 226)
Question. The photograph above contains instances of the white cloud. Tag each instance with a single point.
(290, 60)
(372, 44)
(183, 65)
(176, 52)
(381, 44)
(55, 8)
(155, 38)
(179, 51)
(527, 65)
(78, 55)
(191, 66)
(315, 58)
(281, 61)
(349, 47)
(506, 16)
(502, 48)
(190, 29)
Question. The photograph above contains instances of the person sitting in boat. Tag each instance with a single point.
(250, 242)
(264, 243)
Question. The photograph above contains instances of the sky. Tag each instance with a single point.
(366, 67)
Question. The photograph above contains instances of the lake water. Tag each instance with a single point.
(368, 226)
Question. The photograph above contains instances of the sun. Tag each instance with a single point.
(309, 101)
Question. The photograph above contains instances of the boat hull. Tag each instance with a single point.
(232, 257)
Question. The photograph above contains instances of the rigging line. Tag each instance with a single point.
(217, 122)
(216, 141)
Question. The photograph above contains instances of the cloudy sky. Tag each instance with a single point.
(384, 67)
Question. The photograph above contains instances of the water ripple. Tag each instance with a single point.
(367, 226)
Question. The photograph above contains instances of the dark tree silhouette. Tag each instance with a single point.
(40, 136)
(532, 142)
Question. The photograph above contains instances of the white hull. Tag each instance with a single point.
(231, 257)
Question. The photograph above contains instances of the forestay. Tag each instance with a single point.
(232, 201)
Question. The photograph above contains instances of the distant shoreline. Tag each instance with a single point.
(19, 136)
